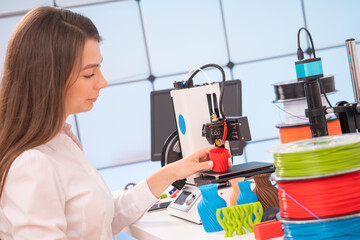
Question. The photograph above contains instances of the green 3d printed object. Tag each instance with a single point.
(238, 217)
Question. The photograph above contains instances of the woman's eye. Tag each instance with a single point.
(89, 76)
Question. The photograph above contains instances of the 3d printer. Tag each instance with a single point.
(200, 123)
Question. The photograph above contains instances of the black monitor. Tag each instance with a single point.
(163, 121)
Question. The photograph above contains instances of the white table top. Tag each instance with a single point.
(159, 225)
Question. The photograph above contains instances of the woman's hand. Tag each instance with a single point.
(196, 162)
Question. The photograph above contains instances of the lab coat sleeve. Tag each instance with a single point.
(33, 200)
(131, 205)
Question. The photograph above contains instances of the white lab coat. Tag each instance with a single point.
(53, 192)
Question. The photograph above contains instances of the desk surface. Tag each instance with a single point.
(159, 225)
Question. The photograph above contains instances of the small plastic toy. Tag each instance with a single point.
(220, 157)
(267, 230)
(208, 206)
(240, 217)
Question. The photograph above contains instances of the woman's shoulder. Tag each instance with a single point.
(30, 168)
(30, 160)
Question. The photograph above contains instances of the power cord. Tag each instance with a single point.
(222, 86)
(208, 79)
(300, 52)
(300, 55)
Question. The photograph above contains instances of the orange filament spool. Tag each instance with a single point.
(301, 132)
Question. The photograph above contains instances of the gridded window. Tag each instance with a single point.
(123, 48)
(332, 22)
(262, 29)
(11, 7)
(117, 130)
(335, 62)
(7, 26)
(160, 41)
(254, 154)
(258, 93)
(183, 34)
(72, 121)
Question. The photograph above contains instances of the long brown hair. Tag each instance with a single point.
(43, 56)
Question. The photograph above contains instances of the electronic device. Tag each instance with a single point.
(310, 71)
(185, 204)
(163, 123)
(201, 122)
(192, 109)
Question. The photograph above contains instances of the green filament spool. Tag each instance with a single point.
(318, 156)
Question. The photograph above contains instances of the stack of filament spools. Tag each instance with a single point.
(319, 187)
(296, 126)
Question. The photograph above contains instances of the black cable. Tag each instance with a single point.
(300, 52)
(323, 90)
(222, 86)
(288, 112)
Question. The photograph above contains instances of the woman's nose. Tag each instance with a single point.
(102, 83)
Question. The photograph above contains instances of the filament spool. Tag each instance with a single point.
(317, 156)
(321, 197)
(292, 133)
(294, 111)
(294, 90)
(292, 95)
(345, 227)
(319, 179)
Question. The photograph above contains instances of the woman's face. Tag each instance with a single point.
(82, 94)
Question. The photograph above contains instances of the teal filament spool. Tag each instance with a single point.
(345, 227)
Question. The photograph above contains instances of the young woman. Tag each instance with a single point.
(48, 189)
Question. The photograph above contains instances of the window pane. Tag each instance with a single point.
(258, 151)
(117, 130)
(7, 26)
(258, 93)
(260, 29)
(332, 22)
(239, 159)
(335, 61)
(123, 47)
(117, 177)
(18, 5)
(71, 120)
(69, 3)
(183, 34)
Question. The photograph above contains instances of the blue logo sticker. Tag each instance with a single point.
(182, 124)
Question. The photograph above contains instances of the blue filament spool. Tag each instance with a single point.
(346, 227)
